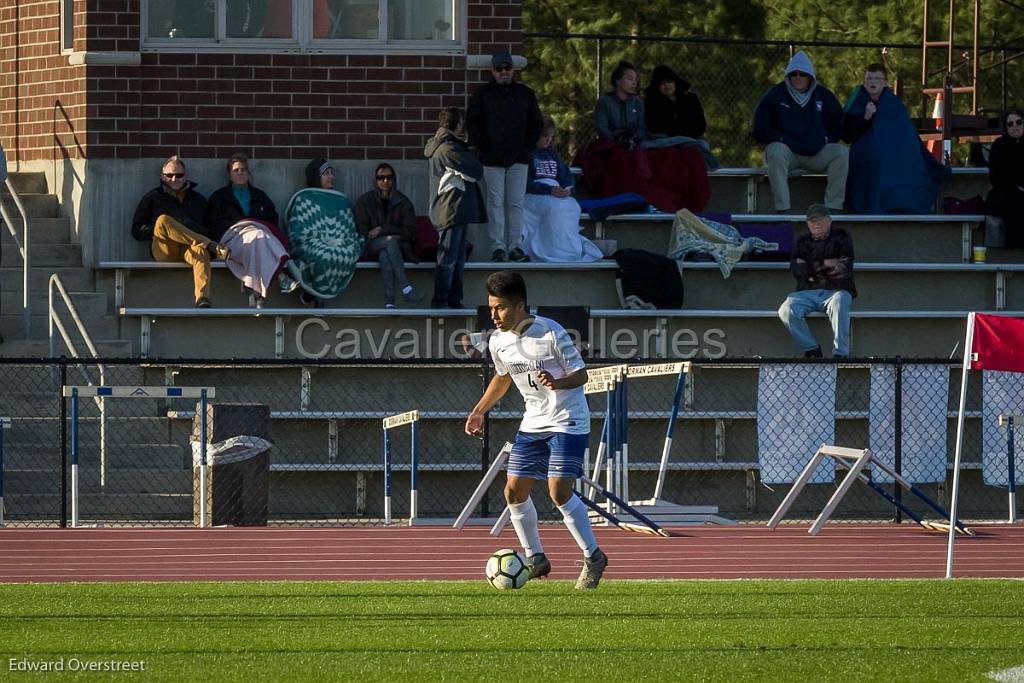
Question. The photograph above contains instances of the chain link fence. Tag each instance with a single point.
(730, 76)
(745, 431)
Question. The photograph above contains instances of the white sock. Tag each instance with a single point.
(524, 521)
(407, 289)
(577, 520)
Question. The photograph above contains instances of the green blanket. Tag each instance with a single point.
(325, 244)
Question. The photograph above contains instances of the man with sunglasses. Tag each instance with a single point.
(1006, 171)
(800, 123)
(387, 220)
(503, 121)
(170, 218)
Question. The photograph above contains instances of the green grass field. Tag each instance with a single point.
(625, 631)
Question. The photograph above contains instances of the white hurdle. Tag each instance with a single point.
(859, 459)
(77, 392)
(408, 418)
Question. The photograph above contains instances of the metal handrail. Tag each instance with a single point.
(53, 320)
(23, 249)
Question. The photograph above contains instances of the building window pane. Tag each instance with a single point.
(259, 19)
(420, 20)
(67, 24)
(346, 19)
(181, 19)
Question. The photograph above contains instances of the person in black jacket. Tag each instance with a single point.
(1006, 171)
(387, 220)
(504, 123)
(457, 203)
(671, 109)
(800, 123)
(822, 264)
(171, 217)
(242, 217)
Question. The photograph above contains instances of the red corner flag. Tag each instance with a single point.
(998, 343)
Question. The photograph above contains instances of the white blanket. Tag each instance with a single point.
(796, 414)
(925, 417)
(256, 255)
(551, 230)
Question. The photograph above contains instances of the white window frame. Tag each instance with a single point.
(302, 41)
(67, 26)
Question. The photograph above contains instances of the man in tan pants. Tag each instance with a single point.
(171, 218)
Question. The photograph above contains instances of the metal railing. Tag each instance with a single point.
(23, 249)
(54, 323)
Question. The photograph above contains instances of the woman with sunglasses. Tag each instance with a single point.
(1006, 171)
(387, 219)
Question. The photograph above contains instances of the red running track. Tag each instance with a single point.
(293, 554)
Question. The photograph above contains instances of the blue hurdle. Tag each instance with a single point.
(77, 392)
(409, 418)
(5, 423)
(1011, 484)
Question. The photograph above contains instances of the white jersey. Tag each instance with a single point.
(545, 345)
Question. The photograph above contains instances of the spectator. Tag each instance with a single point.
(1006, 172)
(822, 264)
(551, 216)
(890, 170)
(503, 121)
(620, 113)
(458, 203)
(671, 109)
(669, 173)
(800, 122)
(325, 245)
(243, 218)
(386, 219)
(170, 218)
(3, 178)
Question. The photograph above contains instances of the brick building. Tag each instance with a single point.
(97, 92)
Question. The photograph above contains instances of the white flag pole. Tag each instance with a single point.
(968, 348)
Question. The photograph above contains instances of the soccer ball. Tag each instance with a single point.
(507, 569)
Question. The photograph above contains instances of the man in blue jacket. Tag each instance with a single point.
(800, 122)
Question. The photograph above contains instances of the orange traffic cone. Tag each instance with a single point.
(935, 146)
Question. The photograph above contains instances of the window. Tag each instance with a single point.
(67, 25)
(303, 25)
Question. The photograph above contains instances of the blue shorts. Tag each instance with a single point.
(543, 455)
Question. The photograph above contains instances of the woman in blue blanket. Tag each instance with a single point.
(890, 170)
(325, 244)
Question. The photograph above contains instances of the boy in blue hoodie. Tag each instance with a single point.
(800, 122)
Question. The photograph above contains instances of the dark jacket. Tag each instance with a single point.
(454, 207)
(189, 211)
(620, 120)
(504, 123)
(223, 210)
(398, 219)
(804, 129)
(812, 273)
(684, 116)
(1006, 160)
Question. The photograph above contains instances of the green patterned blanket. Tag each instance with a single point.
(325, 244)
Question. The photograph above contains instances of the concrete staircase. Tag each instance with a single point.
(52, 251)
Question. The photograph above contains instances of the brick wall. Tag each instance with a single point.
(42, 97)
(209, 105)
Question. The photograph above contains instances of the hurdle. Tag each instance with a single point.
(858, 461)
(388, 423)
(5, 424)
(77, 392)
(1008, 421)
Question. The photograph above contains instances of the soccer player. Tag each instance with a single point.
(538, 356)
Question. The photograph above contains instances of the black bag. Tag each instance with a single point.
(652, 278)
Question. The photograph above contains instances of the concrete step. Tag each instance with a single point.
(119, 455)
(37, 348)
(98, 326)
(46, 256)
(105, 507)
(75, 279)
(44, 231)
(88, 303)
(36, 205)
(116, 481)
(26, 182)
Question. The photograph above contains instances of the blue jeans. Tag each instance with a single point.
(451, 258)
(833, 303)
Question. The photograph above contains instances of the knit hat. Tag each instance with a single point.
(818, 211)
